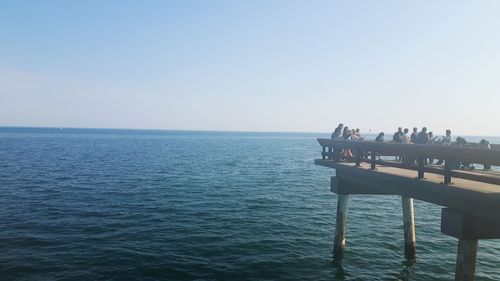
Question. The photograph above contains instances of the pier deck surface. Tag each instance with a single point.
(473, 197)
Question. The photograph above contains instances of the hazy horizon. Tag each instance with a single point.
(280, 66)
(318, 134)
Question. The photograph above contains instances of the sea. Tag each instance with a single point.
(99, 204)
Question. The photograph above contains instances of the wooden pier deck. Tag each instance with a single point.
(470, 199)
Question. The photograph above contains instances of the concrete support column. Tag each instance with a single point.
(409, 227)
(340, 226)
(421, 165)
(466, 260)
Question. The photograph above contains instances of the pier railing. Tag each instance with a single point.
(368, 151)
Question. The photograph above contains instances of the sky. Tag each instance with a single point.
(251, 65)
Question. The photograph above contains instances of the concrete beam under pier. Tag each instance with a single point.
(345, 186)
(468, 227)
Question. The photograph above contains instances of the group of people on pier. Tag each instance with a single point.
(403, 136)
(422, 137)
(344, 133)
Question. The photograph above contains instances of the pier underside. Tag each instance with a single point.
(470, 198)
(477, 199)
(470, 208)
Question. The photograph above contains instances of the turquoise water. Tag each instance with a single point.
(159, 205)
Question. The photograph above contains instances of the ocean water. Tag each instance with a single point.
(163, 205)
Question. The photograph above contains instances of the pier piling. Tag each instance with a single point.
(409, 227)
(340, 226)
(421, 166)
(466, 260)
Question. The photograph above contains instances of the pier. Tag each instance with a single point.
(470, 198)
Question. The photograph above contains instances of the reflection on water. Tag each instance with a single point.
(340, 273)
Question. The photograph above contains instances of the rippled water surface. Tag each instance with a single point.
(149, 205)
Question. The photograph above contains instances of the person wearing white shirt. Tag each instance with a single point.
(404, 138)
(447, 140)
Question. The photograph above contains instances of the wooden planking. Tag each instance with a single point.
(474, 175)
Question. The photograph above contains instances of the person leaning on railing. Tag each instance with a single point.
(464, 165)
(447, 140)
(397, 135)
(338, 131)
(358, 135)
(413, 136)
(380, 137)
(485, 145)
(422, 137)
(405, 139)
(397, 139)
(336, 135)
(432, 140)
(347, 135)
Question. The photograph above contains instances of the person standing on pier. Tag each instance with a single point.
(431, 137)
(413, 136)
(397, 135)
(352, 133)
(447, 140)
(357, 134)
(405, 139)
(380, 137)
(397, 139)
(485, 145)
(338, 131)
(432, 140)
(346, 134)
(422, 137)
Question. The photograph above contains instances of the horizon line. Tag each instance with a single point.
(196, 130)
(155, 129)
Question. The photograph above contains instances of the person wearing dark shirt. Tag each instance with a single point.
(380, 137)
(346, 135)
(338, 131)
(413, 136)
(397, 139)
(432, 140)
(397, 135)
(422, 137)
(485, 145)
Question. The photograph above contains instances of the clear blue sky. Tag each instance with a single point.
(251, 65)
